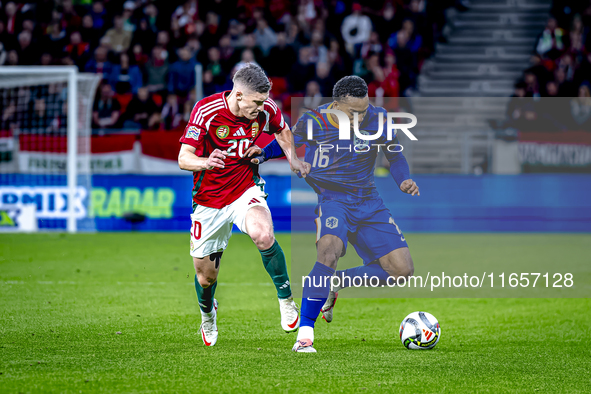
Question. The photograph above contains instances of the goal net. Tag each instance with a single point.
(45, 177)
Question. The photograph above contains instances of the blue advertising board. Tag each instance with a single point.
(448, 203)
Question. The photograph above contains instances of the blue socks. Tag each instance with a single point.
(316, 289)
(356, 275)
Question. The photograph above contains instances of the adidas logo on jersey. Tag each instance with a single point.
(240, 132)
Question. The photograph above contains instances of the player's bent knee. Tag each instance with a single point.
(328, 257)
(263, 239)
(398, 264)
(206, 280)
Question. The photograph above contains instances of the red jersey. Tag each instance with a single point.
(213, 126)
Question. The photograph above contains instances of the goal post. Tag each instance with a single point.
(46, 121)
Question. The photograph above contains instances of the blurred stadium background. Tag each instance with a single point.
(498, 86)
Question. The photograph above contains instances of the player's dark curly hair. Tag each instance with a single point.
(350, 86)
(252, 77)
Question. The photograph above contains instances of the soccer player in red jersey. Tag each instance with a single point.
(227, 188)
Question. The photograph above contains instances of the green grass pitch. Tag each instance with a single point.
(118, 313)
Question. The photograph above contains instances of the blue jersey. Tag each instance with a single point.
(345, 166)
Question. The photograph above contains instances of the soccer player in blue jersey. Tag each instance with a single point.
(349, 207)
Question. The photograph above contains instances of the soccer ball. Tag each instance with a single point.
(420, 330)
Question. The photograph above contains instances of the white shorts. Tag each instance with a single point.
(211, 228)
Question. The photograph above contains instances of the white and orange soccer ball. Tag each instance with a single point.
(420, 330)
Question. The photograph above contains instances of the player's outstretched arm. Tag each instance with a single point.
(285, 140)
(401, 173)
(189, 161)
(259, 156)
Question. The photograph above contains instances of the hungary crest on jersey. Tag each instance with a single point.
(255, 129)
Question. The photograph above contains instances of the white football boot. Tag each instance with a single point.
(305, 341)
(328, 307)
(209, 327)
(304, 346)
(290, 314)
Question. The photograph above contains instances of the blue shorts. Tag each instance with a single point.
(367, 224)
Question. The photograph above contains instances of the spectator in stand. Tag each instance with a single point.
(280, 51)
(566, 87)
(336, 57)
(540, 70)
(213, 31)
(532, 85)
(106, 110)
(214, 66)
(406, 61)
(325, 79)
(228, 55)
(98, 15)
(144, 35)
(55, 41)
(251, 45)
(388, 20)
(128, 21)
(120, 38)
(140, 58)
(77, 50)
(583, 73)
(356, 28)
(186, 13)
(550, 42)
(551, 89)
(236, 32)
(313, 97)
(373, 45)
(151, 13)
(189, 104)
(70, 16)
(578, 36)
(27, 52)
(38, 120)
(171, 115)
(302, 71)
(6, 38)
(8, 120)
(99, 63)
(264, 36)
(580, 108)
(12, 58)
(181, 76)
(125, 76)
(209, 87)
(142, 112)
(413, 40)
(163, 40)
(89, 33)
(3, 54)
(10, 15)
(195, 49)
(246, 57)
(296, 38)
(157, 68)
(318, 52)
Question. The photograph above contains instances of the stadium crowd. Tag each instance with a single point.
(146, 51)
(560, 67)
